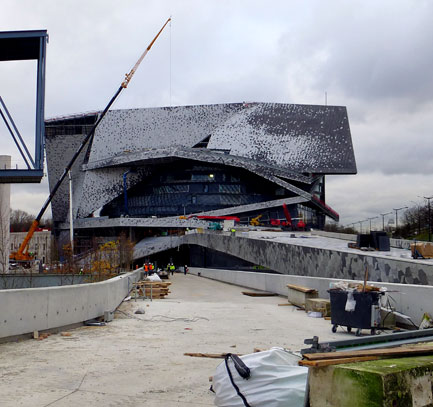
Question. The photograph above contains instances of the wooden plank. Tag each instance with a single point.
(302, 289)
(255, 294)
(329, 362)
(208, 355)
(404, 350)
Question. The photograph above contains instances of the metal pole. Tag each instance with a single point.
(429, 217)
(396, 217)
(370, 219)
(71, 219)
(429, 222)
(383, 219)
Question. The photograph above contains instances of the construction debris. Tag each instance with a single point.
(321, 305)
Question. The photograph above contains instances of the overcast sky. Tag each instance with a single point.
(373, 57)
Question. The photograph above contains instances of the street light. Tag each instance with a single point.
(383, 219)
(71, 218)
(396, 217)
(352, 225)
(370, 219)
(360, 224)
(429, 217)
(418, 215)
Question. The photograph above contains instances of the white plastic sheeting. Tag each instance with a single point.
(276, 380)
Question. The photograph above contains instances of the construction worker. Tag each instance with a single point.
(185, 269)
(146, 269)
(172, 268)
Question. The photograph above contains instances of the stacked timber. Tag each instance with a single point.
(154, 289)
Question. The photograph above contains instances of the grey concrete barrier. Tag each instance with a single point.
(409, 299)
(397, 243)
(304, 259)
(23, 311)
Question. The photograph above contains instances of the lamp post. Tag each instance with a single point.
(396, 217)
(429, 217)
(360, 224)
(71, 219)
(418, 213)
(383, 219)
(370, 219)
(352, 225)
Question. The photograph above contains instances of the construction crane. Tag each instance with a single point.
(22, 253)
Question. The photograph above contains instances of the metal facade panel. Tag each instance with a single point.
(302, 138)
(140, 129)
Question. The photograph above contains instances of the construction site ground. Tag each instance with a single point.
(138, 359)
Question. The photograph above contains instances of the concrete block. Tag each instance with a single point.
(402, 382)
(300, 297)
(108, 316)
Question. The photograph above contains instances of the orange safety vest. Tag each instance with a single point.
(146, 267)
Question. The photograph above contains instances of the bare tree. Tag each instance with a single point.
(21, 220)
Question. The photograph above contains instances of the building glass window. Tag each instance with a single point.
(203, 177)
(229, 189)
(170, 189)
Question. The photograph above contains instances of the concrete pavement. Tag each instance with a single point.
(137, 360)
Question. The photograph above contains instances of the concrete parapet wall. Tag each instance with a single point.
(342, 236)
(409, 299)
(23, 311)
(397, 243)
(302, 260)
(14, 281)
